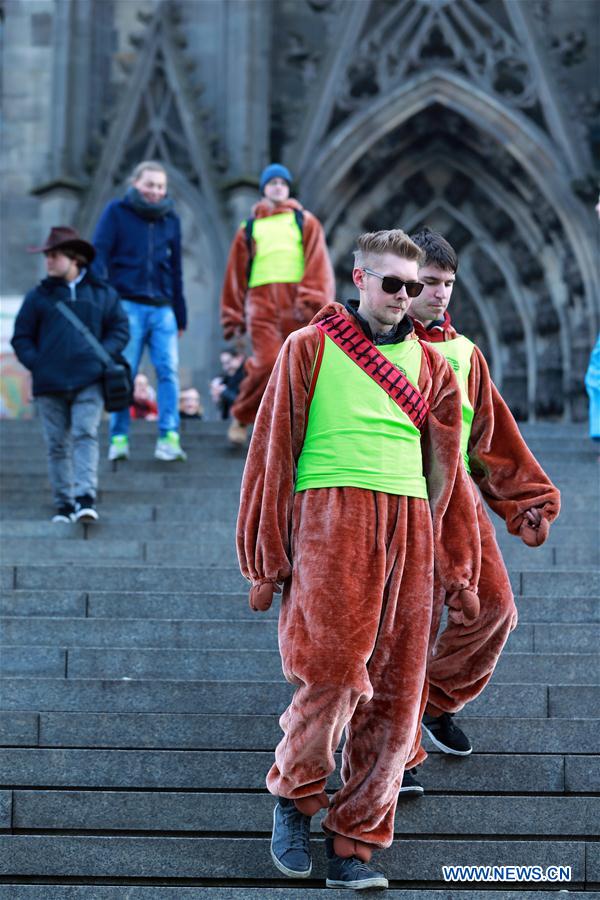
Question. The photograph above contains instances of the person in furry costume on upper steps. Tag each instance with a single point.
(278, 276)
(349, 486)
(511, 482)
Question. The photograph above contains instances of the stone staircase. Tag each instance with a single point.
(140, 696)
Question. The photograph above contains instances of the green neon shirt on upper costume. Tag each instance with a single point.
(458, 352)
(356, 435)
(279, 251)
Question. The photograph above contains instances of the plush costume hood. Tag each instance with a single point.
(437, 331)
(265, 208)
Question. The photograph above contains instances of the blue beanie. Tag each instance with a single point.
(274, 170)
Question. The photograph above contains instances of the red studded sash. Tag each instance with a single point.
(374, 364)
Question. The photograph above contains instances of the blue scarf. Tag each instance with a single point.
(146, 210)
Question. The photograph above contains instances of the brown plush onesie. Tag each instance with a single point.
(270, 312)
(357, 567)
(511, 481)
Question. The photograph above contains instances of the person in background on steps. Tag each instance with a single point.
(190, 403)
(511, 482)
(592, 386)
(225, 388)
(353, 478)
(144, 399)
(138, 249)
(278, 276)
(67, 373)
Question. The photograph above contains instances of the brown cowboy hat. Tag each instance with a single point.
(61, 236)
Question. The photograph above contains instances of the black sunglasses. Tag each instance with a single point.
(392, 285)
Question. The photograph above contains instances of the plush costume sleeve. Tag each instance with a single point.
(24, 339)
(318, 284)
(506, 472)
(115, 324)
(267, 492)
(235, 286)
(457, 546)
(179, 305)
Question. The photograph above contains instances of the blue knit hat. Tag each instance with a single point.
(274, 170)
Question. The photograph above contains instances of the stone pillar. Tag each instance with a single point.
(247, 42)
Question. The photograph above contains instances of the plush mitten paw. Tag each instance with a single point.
(261, 595)
(532, 535)
(463, 607)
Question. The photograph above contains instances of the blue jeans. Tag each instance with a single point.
(155, 326)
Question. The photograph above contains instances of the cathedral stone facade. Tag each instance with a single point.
(476, 117)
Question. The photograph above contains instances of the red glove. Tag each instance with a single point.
(261, 595)
(534, 528)
(463, 607)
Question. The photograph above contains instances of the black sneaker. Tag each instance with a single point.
(290, 843)
(351, 872)
(410, 786)
(64, 513)
(446, 735)
(85, 509)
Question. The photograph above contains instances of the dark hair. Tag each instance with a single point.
(436, 249)
(81, 260)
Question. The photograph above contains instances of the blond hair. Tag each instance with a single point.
(143, 166)
(376, 243)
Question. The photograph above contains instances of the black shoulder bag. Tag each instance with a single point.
(117, 381)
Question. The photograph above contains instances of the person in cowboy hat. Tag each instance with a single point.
(66, 371)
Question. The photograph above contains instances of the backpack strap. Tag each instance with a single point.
(248, 226)
(367, 357)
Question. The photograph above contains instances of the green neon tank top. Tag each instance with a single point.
(458, 352)
(279, 251)
(356, 435)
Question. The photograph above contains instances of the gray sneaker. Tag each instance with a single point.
(351, 873)
(290, 843)
(168, 448)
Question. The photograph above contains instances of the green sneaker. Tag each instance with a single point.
(168, 448)
(119, 447)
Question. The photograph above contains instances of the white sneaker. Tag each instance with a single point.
(119, 447)
(168, 448)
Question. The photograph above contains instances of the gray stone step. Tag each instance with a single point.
(246, 771)
(131, 633)
(204, 500)
(218, 533)
(258, 633)
(212, 552)
(260, 698)
(259, 732)
(258, 665)
(249, 858)
(239, 892)
(215, 812)
(182, 605)
(138, 578)
(558, 583)
(227, 580)
(197, 478)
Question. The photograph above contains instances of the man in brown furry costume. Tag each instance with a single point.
(347, 491)
(278, 276)
(509, 479)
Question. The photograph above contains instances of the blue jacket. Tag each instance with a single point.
(57, 355)
(141, 258)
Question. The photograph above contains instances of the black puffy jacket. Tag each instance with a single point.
(58, 356)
